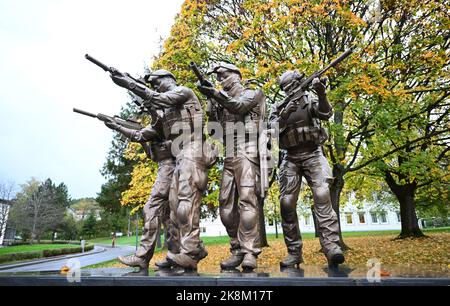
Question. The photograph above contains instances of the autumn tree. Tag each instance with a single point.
(39, 207)
(368, 91)
(181, 47)
(410, 145)
(389, 98)
(116, 169)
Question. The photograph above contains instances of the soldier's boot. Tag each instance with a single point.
(184, 261)
(291, 260)
(134, 261)
(165, 264)
(202, 254)
(335, 257)
(232, 262)
(249, 262)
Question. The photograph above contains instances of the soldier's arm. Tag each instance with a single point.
(321, 107)
(239, 105)
(170, 98)
(156, 99)
(137, 88)
(144, 135)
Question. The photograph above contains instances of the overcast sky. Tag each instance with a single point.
(43, 75)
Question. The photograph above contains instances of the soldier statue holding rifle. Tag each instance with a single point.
(156, 210)
(240, 190)
(180, 110)
(301, 137)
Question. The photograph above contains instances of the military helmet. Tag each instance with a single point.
(161, 73)
(289, 77)
(226, 66)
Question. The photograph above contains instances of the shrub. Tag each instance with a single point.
(21, 256)
(44, 253)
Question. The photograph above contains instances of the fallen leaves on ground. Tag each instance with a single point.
(433, 250)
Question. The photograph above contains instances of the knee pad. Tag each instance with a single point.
(247, 195)
(249, 219)
(227, 217)
(183, 214)
(288, 203)
(321, 195)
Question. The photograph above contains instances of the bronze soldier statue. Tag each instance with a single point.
(301, 137)
(156, 210)
(239, 191)
(180, 109)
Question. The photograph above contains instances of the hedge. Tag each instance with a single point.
(46, 242)
(43, 253)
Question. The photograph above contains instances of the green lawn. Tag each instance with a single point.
(34, 247)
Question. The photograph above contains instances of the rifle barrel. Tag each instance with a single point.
(97, 62)
(76, 110)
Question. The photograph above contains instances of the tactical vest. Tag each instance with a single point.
(251, 119)
(302, 128)
(186, 114)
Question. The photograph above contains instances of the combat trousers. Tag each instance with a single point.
(188, 184)
(157, 211)
(239, 200)
(312, 165)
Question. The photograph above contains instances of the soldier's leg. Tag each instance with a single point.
(228, 206)
(290, 183)
(229, 214)
(173, 232)
(318, 173)
(192, 179)
(153, 213)
(246, 177)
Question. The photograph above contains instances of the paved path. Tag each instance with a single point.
(85, 260)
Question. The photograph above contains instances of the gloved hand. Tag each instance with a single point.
(112, 124)
(207, 91)
(119, 78)
(319, 85)
(290, 107)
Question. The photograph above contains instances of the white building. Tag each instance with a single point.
(364, 217)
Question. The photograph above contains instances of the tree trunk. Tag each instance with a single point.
(262, 226)
(405, 195)
(335, 192)
(409, 221)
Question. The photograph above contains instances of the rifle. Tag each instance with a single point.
(112, 70)
(127, 123)
(297, 93)
(203, 81)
